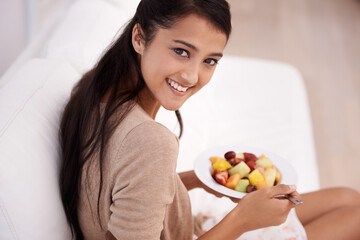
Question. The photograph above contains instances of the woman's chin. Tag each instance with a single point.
(172, 107)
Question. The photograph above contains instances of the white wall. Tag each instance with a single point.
(12, 31)
(20, 22)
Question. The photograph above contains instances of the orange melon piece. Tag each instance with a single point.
(277, 177)
(215, 159)
(263, 156)
(261, 185)
(233, 181)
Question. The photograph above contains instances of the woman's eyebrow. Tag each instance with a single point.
(187, 44)
(195, 48)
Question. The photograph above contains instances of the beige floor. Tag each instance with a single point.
(322, 39)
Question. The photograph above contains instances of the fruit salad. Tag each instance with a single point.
(244, 172)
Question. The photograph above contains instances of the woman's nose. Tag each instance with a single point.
(191, 74)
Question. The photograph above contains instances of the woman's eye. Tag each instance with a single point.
(211, 61)
(181, 52)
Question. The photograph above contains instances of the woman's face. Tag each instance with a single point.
(178, 62)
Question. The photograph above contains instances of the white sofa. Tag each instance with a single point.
(248, 102)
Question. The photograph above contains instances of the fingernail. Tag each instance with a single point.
(292, 187)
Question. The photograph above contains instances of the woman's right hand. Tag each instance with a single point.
(258, 209)
(262, 209)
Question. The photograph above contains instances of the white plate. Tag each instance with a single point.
(203, 167)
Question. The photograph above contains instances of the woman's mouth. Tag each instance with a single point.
(176, 86)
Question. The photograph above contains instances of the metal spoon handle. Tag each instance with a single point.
(294, 200)
(290, 198)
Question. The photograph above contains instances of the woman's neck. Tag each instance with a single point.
(147, 102)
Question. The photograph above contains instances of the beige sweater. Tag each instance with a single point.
(142, 196)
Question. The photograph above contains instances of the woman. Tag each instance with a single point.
(118, 178)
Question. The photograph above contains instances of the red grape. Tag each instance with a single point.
(250, 188)
(230, 155)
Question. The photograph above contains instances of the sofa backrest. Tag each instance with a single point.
(32, 99)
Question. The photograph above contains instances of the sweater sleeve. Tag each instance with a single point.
(144, 185)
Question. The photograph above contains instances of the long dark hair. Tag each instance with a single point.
(84, 128)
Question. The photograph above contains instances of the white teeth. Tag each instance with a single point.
(177, 86)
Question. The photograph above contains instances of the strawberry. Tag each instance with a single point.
(214, 173)
(250, 157)
(251, 164)
(222, 177)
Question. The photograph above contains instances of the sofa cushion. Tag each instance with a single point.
(30, 108)
(87, 29)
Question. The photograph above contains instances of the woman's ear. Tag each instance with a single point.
(138, 41)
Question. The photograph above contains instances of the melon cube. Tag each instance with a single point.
(263, 156)
(242, 185)
(242, 168)
(233, 181)
(215, 159)
(277, 177)
(261, 185)
(270, 175)
(265, 162)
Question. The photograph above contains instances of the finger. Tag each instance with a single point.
(296, 195)
(282, 189)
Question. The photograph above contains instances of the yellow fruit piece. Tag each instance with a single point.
(215, 159)
(256, 177)
(277, 176)
(261, 185)
(233, 181)
(221, 165)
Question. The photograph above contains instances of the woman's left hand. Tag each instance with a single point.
(191, 181)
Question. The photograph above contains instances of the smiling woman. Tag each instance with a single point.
(118, 168)
(118, 178)
(178, 62)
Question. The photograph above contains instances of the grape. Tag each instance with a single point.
(250, 188)
(230, 155)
